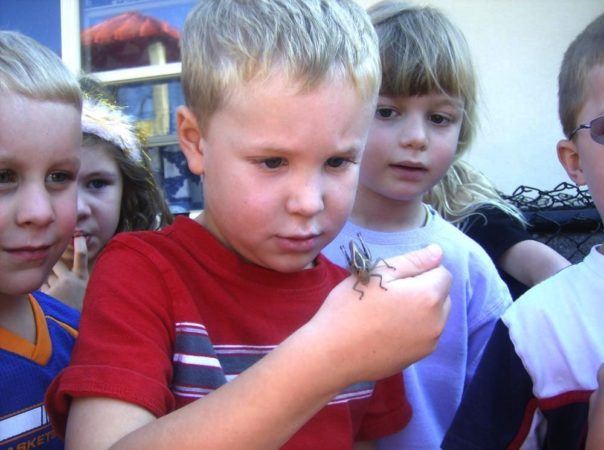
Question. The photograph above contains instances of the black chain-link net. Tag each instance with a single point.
(564, 218)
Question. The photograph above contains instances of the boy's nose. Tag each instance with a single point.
(306, 197)
(35, 207)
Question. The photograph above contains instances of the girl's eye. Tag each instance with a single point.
(439, 119)
(97, 184)
(59, 177)
(7, 176)
(338, 161)
(273, 163)
(384, 112)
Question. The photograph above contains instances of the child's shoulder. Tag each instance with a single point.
(57, 309)
(553, 322)
(455, 241)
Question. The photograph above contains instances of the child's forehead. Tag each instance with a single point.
(38, 128)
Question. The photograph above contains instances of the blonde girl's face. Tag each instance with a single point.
(412, 143)
(100, 187)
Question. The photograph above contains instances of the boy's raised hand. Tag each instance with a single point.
(69, 285)
(389, 329)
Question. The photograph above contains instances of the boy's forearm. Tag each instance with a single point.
(261, 409)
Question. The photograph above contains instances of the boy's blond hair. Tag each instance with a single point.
(583, 54)
(32, 70)
(228, 43)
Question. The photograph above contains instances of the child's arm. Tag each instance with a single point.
(265, 405)
(531, 262)
(595, 436)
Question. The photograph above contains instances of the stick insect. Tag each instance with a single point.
(361, 264)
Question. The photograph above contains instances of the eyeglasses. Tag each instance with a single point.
(596, 129)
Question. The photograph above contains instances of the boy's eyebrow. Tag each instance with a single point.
(351, 149)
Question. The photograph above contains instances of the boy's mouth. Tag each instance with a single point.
(298, 243)
(30, 253)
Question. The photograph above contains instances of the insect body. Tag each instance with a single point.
(360, 264)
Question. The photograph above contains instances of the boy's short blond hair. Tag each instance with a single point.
(583, 54)
(227, 43)
(32, 70)
(423, 52)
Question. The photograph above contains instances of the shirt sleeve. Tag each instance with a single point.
(497, 409)
(388, 412)
(124, 347)
(495, 231)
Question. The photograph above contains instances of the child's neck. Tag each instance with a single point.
(16, 316)
(381, 214)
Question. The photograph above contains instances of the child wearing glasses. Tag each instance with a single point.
(546, 349)
(422, 124)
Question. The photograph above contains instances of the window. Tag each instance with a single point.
(132, 47)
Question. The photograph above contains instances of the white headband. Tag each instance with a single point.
(112, 125)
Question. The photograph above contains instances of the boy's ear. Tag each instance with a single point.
(190, 139)
(571, 161)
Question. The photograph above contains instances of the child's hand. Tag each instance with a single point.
(389, 329)
(69, 285)
(595, 436)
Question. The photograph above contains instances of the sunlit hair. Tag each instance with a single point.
(422, 52)
(143, 206)
(464, 191)
(32, 70)
(583, 54)
(228, 43)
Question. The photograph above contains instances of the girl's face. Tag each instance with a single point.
(412, 143)
(100, 187)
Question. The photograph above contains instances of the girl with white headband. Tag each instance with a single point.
(116, 192)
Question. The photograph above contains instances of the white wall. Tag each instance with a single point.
(517, 46)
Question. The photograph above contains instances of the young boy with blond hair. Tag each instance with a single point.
(40, 136)
(546, 349)
(226, 331)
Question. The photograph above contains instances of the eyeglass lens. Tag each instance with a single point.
(597, 130)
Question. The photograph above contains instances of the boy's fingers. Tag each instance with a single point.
(80, 257)
(413, 263)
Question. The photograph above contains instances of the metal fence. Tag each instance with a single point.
(565, 218)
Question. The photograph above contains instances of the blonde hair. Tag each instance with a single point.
(228, 43)
(464, 192)
(583, 54)
(423, 52)
(32, 70)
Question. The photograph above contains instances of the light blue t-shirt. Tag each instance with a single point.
(435, 385)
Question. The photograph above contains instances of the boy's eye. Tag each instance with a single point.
(59, 177)
(384, 112)
(273, 163)
(7, 176)
(338, 161)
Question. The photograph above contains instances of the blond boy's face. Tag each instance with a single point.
(39, 160)
(583, 158)
(280, 168)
